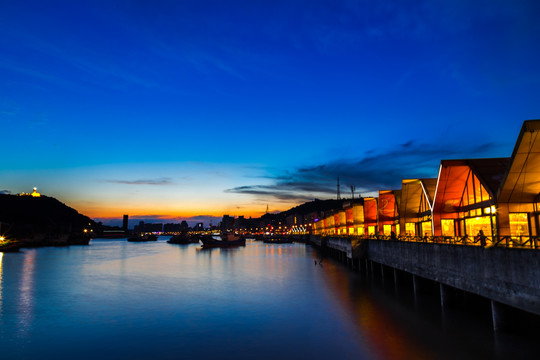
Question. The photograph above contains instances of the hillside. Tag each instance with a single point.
(315, 205)
(27, 217)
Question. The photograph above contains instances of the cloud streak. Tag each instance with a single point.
(375, 171)
(161, 181)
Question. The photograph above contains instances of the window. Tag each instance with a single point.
(410, 229)
(447, 226)
(519, 224)
(474, 225)
(426, 228)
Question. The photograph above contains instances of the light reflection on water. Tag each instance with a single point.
(115, 299)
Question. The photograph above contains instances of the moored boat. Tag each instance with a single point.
(142, 237)
(278, 241)
(227, 240)
(183, 239)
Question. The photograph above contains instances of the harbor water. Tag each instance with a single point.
(119, 300)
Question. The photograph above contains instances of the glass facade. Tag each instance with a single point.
(519, 224)
(410, 229)
(448, 227)
(426, 228)
(474, 225)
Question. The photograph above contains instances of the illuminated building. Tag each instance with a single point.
(330, 225)
(464, 200)
(388, 212)
(34, 193)
(415, 206)
(498, 196)
(518, 200)
(370, 216)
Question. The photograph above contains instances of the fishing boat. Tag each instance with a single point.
(225, 240)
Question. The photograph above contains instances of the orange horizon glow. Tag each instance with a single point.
(171, 213)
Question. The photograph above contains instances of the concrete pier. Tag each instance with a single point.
(506, 276)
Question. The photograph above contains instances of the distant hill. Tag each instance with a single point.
(315, 205)
(44, 217)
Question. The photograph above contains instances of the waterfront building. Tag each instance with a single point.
(415, 206)
(500, 196)
(318, 227)
(340, 218)
(518, 197)
(388, 211)
(330, 224)
(465, 199)
(370, 216)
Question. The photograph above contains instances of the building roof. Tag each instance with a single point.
(521, 183)
(412, 191)
(453, 177)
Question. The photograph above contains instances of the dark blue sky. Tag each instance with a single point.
(177, 108)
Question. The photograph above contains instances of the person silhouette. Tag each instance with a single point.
(482, 237)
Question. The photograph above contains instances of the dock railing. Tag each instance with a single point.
(517, 242)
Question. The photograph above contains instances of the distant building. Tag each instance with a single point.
(172, 227)
(142, 227)
(34, 193)
(125, 223)
(227, 222)
(198, 227)
(184, 225)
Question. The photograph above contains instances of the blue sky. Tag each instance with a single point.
(177, 109)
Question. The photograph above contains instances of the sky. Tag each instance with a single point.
(189, 110)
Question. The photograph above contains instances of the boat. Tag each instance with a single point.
(282, 240)
(226, 240)
(183, 239)
(142, 237)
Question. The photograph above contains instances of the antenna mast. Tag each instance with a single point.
(338, 193)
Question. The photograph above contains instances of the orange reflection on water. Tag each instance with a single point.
(386, 337)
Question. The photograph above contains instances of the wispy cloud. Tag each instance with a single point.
(161, 181)
(5, 192)
(376, 171)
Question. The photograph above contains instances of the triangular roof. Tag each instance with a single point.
(521, 183)
(412, 191)
(453, 176)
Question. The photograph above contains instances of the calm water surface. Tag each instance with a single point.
(116, 300)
